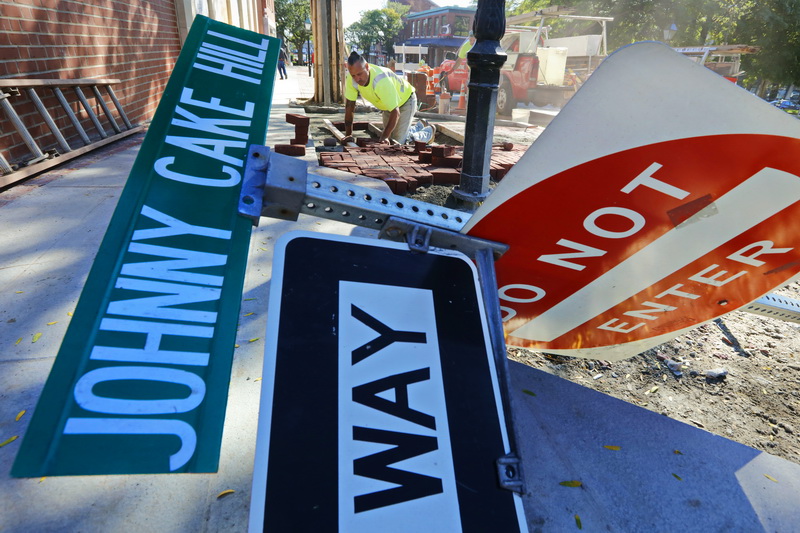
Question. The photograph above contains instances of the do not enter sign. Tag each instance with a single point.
(685, 209)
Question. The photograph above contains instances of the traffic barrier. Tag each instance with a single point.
(462, 98)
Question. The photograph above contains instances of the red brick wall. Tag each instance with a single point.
(135, 41)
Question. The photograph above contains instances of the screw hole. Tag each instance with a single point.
(315, 184)
(400, 205)
(430, 213)
(248, 200)
(444, 216)
(291, 178)
(379, 221)
(350, 193)
(334, 189)
(415, 208)
(367, 197)
(384, 201)
(458, 219)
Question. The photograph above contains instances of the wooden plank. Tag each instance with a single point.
(336, 132)
(450, 132)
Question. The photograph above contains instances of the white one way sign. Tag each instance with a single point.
(380, 403)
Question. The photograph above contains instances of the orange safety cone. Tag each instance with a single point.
(462, 98)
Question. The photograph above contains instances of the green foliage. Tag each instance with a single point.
(377, 26)
(772, 25)
(290, 18)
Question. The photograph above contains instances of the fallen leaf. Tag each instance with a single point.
(677, 452)
(254, 340)
(9, 440)
(235, 345)
(257, 379)
(676, 476)
(529, 393)
(615, 448)
(20, 415)
(225, 493)
(264, 249)
(651, 391)
(18, 341)
(69, 313)
(248, 299)
(770, 478)
(573, 483)
(578, 522)
(248, 314)
(19, 292)
(36, 337)
(42, 478)
(51, 323)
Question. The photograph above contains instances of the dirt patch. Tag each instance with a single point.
(755, 401)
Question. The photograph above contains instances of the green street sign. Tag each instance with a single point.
(140, 383)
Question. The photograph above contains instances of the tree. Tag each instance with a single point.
(377, 26)
(773, 25)
(290, 17)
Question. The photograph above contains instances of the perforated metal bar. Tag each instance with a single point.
(775, 306)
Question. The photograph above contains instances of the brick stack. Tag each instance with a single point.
(405, 168)
(297, 146)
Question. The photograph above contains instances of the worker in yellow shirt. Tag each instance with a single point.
(384, 89)
(462, 52)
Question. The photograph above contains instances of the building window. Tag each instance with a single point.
(425, 27)
(461, 27)
(414, 28)
(436, 31)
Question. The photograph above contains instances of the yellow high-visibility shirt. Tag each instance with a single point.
(462, 52)
(385, 90)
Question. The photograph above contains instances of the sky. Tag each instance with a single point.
(351, 9)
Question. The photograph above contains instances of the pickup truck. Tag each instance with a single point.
(533, 58)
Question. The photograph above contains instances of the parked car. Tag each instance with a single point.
(787, 105)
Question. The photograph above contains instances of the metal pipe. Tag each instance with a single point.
(484, 260)
(72, 118)
(107, 111)
(20, 127)
(62, 142)
(121, 112)
(89, 112)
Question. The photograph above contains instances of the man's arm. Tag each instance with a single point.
(349, 109)
(394, 115)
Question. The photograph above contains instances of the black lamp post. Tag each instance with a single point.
(308, 45)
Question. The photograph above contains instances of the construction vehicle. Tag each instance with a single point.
(539, 69)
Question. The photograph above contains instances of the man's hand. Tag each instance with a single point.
(348, 139)
(384, 141)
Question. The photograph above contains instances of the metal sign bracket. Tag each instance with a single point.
(281, 187)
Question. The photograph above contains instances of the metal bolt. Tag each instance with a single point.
(722, 302)
(393, 232)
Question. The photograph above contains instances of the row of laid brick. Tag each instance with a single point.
(397, 164)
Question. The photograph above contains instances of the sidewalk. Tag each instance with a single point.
(52, 227)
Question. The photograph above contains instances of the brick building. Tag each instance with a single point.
(135, 41)
(441, 29)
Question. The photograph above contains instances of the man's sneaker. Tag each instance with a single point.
(425, 135)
